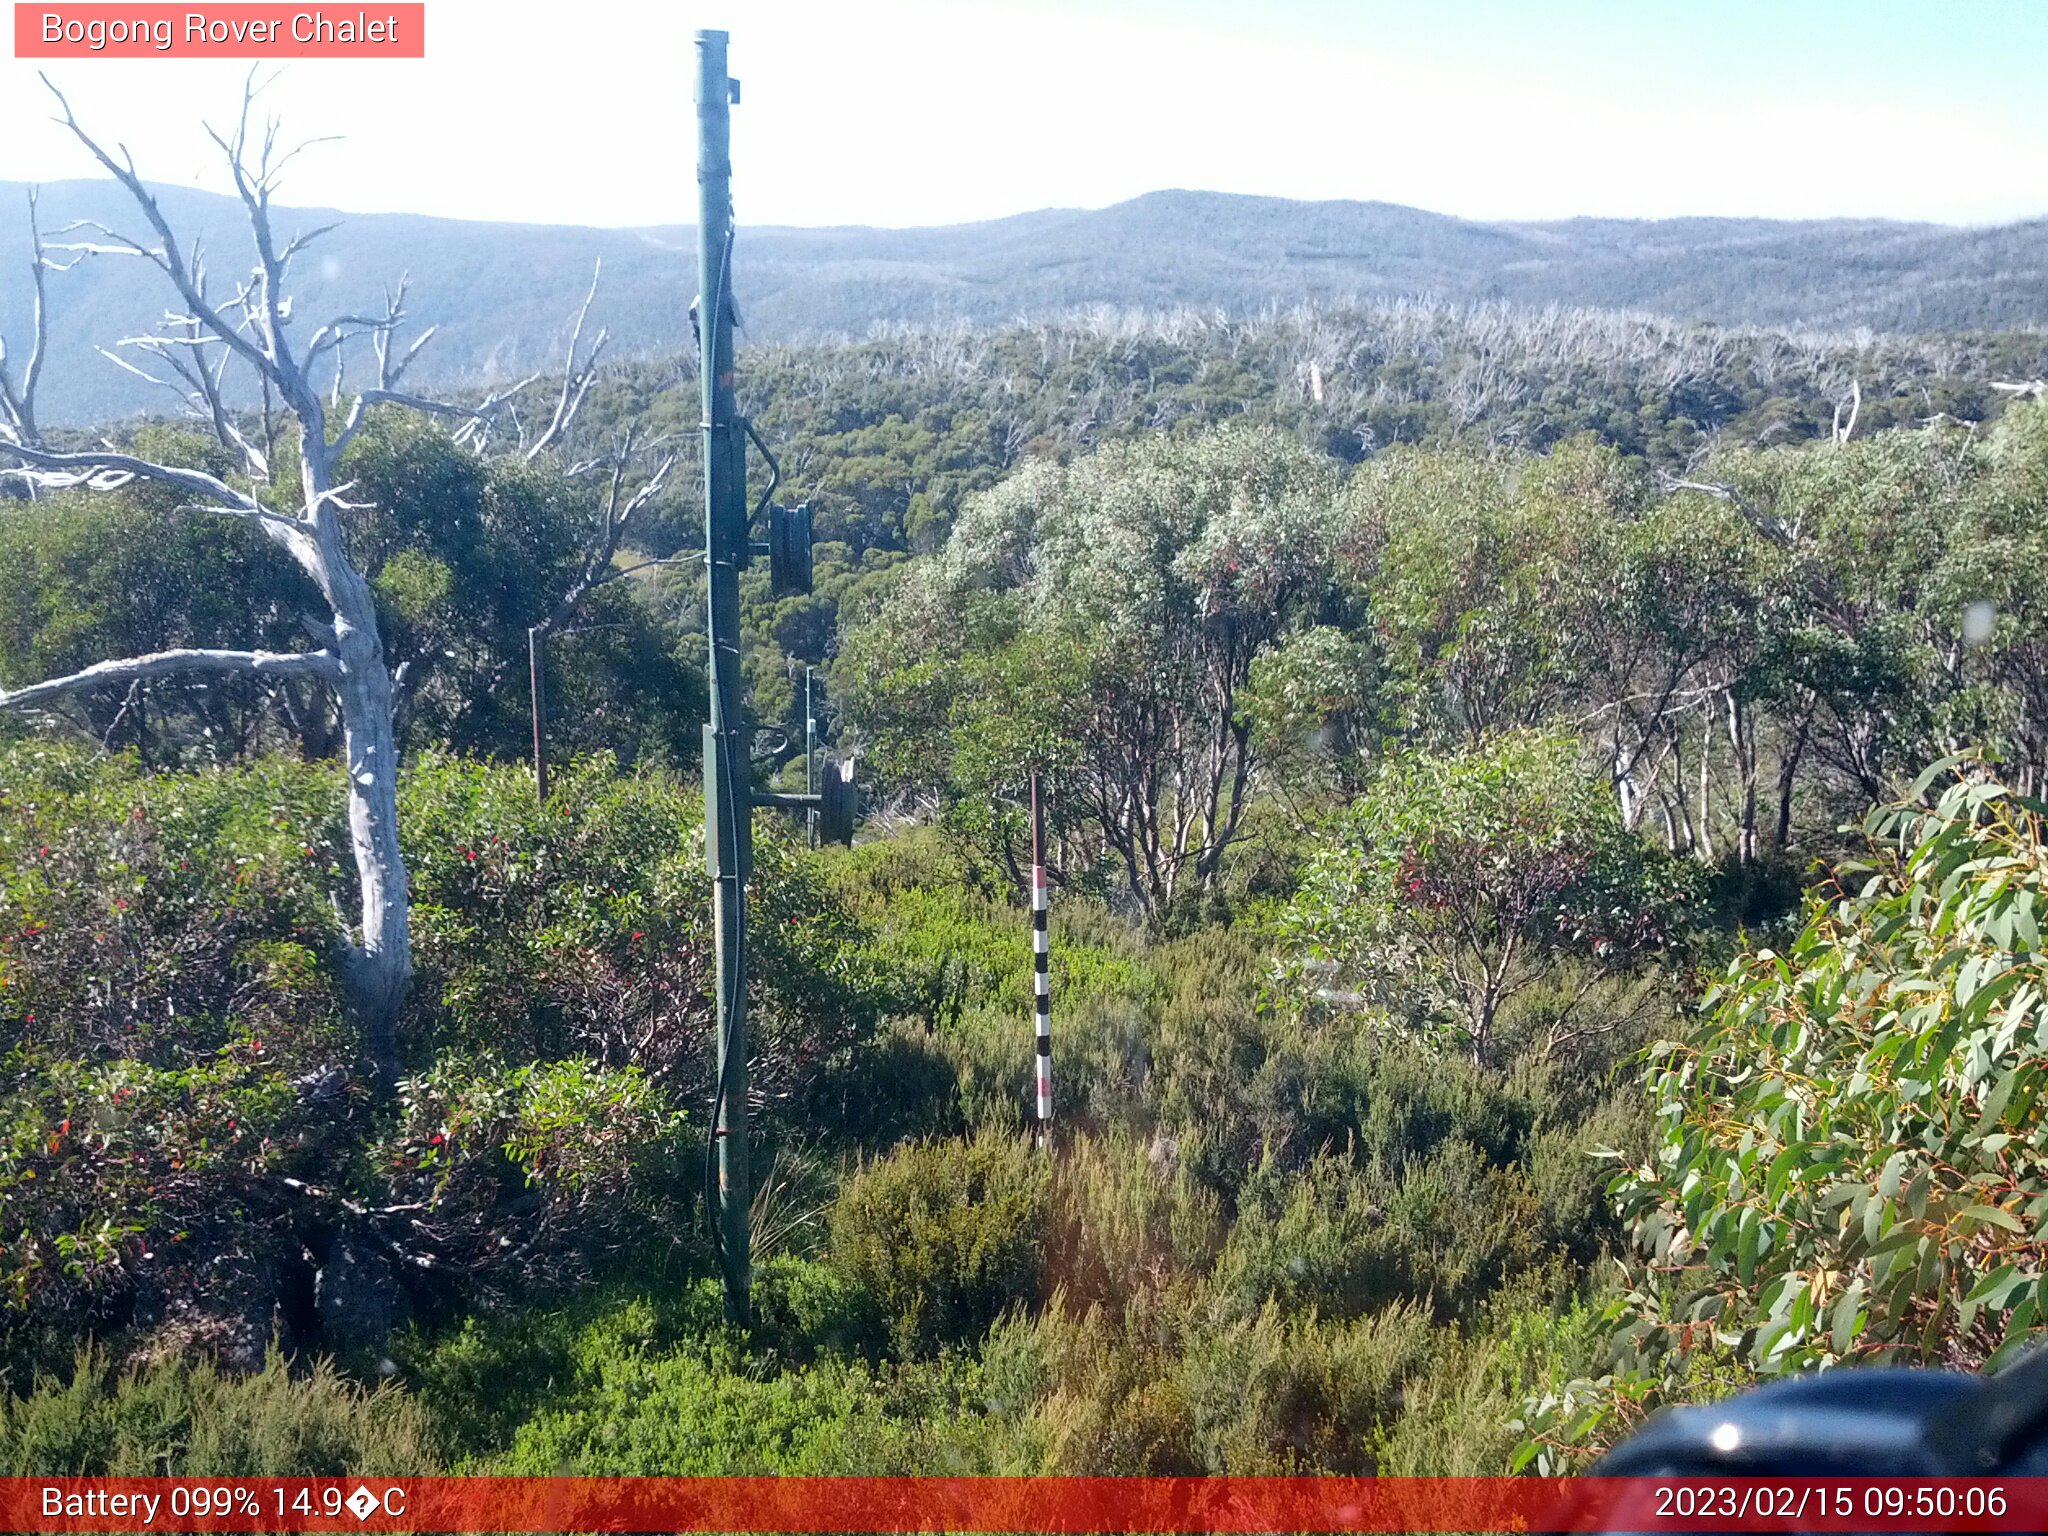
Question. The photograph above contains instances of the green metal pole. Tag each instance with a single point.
(728, 787)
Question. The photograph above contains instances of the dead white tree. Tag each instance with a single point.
(1846, 413)
(615, 513)
(578, 374)
(18, 396)
(600, 566)
(253, 329)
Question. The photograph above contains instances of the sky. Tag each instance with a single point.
(911, 112)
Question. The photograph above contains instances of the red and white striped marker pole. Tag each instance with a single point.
(1041, 959)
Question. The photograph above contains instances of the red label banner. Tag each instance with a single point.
(230, 31)
(1055, 1506)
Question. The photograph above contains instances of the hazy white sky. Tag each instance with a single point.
(935, 111)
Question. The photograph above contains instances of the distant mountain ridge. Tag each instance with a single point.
(501, 294)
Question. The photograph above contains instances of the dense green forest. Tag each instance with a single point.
(1548, 877)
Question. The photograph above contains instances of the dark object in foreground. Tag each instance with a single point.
(1876, 1422)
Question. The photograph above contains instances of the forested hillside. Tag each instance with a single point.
(1547, 852)
(500, 293)
(887, 438)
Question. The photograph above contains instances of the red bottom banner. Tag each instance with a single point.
(1051, 1505)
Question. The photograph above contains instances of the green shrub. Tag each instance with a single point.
(490, 1374)
(1569, 1168)
(1850, 1161)
(1285, 1393)
(905, 1083)
(533, 1172)
(947, 946)
(1461, 1417)
(1102, 1391)
(1206, 1053)
(166, 974)
(698, 1411)
(1172, 1389)
(1455, 883)
(180, 1419)
(946, 1236)
(955, 965)
(582, 927)
(1444, 1230)
(1102, 1061)
(989, 1056)
(1128, 1221)
(181, 1099)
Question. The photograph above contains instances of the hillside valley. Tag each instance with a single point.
(501, 294)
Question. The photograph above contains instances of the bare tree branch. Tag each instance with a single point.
(298, 243)
(616, 512)
(205, 397)
(169, 257)
(469, 415)
(1845, 429)
(131, 701)
(388, 371)
(1770, 527)
(273, 310)
(106, 470)
(318, 664)
(576, 377)
(121, 245)
(648, 565)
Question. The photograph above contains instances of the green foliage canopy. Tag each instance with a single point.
(1454, 883)
(1097, 622)
(1851, 1162)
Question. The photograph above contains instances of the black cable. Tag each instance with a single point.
(774, 472)
(729, 1024)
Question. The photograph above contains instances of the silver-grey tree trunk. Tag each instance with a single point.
(381, 967)
(254, 328)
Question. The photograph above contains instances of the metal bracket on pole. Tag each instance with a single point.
(836, 804)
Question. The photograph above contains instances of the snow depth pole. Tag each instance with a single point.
(1041, 962)
(728, 789)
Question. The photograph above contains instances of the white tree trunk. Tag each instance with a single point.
(382, 964)
(254, 329)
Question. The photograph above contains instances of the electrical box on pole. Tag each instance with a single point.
(789, 550)
(729, 548)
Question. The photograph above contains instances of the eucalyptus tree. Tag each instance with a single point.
(285, 478)
(1099, 622)
(1689, 629)
(1485, 576)
(1990, 589)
